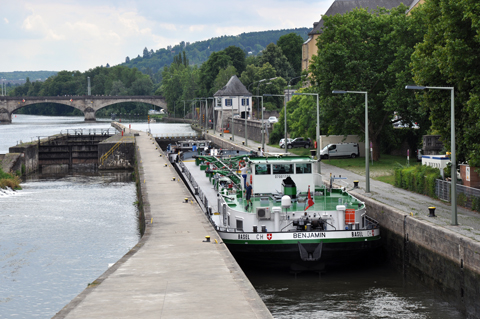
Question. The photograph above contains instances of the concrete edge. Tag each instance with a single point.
(468, 245)
(251, 295)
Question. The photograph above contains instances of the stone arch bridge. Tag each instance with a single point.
(88, 104)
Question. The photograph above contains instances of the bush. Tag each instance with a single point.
(419, 179)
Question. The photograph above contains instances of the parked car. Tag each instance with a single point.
(272, 119)
(340, 150)
(282, 142)
(299, 142)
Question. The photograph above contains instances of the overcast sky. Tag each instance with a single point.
(59, 35)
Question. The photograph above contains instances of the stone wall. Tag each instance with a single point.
(444, 260)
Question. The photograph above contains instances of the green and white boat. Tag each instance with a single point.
(295, 220)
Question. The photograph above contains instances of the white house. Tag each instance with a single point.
(233, 98)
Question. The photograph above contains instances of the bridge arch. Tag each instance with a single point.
(89, 105)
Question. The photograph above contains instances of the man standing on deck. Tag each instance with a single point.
(248, 193)
(244, 170)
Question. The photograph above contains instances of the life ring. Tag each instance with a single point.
(250, 179)
(315, 144)
(241, 162)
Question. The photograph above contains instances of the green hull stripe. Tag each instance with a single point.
(303, 241)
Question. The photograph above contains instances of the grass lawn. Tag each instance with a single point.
(382, 170)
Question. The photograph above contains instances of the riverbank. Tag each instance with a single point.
(9, 180)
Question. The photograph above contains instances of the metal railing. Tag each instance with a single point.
(167, 136)
(465, 194)
(110, 151)
(88, 131)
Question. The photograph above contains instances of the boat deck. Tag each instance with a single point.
(325, 200)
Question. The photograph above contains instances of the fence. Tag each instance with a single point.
(466, 196)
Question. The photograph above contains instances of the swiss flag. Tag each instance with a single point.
(269, 236)
(310, 200)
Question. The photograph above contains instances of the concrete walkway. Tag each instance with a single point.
(171, 273)
(409, 202)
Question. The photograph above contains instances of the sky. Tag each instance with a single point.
(55, 35)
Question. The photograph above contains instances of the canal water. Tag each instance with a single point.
(63, 230)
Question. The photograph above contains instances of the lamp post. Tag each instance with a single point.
(452, 145)
(367, 168)
(318, 129)
(285, 115)
(263, 124)
(213, 112)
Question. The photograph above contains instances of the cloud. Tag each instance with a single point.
(83, 34)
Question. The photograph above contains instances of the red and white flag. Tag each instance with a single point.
(310, 200)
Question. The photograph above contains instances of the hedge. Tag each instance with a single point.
(419, 179)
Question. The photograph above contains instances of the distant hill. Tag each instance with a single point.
(21, 76)
(198, 52)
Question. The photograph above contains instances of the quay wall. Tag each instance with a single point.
(444, 260)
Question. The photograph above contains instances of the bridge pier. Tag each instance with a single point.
(5, 116)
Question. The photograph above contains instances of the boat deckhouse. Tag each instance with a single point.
(231, 100)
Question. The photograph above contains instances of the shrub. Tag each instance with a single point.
(419, 179)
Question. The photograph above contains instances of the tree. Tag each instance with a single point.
(146, 54)
(274, 55)
(223, 77)
(209, 71)
(127, 59)
(450, 56)
(362, 51)
(237, 56)
(291, 45)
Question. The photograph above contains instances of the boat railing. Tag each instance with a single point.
(369, 222)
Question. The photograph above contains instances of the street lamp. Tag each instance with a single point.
(263, 124)
(452, 145)
(367, 169)
(213, 112)
(318, 129)
(285, 115)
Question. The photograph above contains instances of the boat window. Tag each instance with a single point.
(262, 169)
(186, 145)
(303, 168)
(282, 168)
(239, 225)
(202, 144)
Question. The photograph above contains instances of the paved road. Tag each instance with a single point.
(171, 273)
(409, 202)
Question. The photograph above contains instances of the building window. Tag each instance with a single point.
(245, 102)
(228, 102)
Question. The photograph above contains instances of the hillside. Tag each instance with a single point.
(198, 52)
(21, 76)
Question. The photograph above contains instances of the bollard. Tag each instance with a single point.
(355, 184)
(207, 239)
(165, 165)
(173, 179)
(432, 211)
(186, 200)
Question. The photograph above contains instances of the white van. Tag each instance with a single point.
(339, 150)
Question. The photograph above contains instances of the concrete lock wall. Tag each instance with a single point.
(444, 260)
(254, 130)
(28, 157)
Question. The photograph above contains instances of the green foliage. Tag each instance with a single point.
(462, 199)
(362, 51)
(419, 179)
(291, 45)
(118, 80)
(273, 54)
(21, 75)
(449, 56)
(198, 52)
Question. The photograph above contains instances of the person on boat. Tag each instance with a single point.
(244, 170)
(248, 193)
(261, 152)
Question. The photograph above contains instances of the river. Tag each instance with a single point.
(62, 231)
